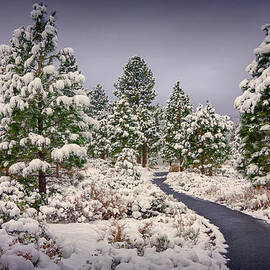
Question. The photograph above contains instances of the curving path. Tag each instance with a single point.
(248, 238)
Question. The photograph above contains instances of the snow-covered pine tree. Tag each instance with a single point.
(100, 144)
(205, 142)
(98, 101)
(126, 165)
(178, 107)
(147, 141)
(235, 143)
(42, 103)
(254, 107)
(123, 124)
(136, 86)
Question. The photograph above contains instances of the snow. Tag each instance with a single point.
(49, 69)
(60, 84)
(36, 165)
(67, 150)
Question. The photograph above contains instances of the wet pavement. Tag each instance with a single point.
(248, 238)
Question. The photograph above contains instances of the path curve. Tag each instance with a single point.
(248, 238)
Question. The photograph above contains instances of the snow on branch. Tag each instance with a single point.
(36, 165)
(67, 150)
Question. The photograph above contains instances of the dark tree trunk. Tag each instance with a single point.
(41, 182)
(41, 176)
(144, 155)
(102, 156)
(57, 171)
(139, 159)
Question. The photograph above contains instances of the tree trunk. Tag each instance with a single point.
(181, 168)
(144, 155)
(41, 176)
(41, 182)
(139, 159)
(57, 171)
(102, 156)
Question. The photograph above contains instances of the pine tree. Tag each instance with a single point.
(98, 101)
(123, 127)
(147, 141)
(178, 107)
(100, 144)
(254, 108)
(136, 84)
(42, 103)
(204, 142)
(126, 165)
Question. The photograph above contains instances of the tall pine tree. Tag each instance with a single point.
(42, 103)
(136, 86)
(254, 108)
(178, 107)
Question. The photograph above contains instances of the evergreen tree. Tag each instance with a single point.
(126, 165)
(178, 107)
(204, 142)
(42, 103)
(254, 108)
(123, 127)
(100, 144)
(147, 141)
(98, 101)
(136, 84)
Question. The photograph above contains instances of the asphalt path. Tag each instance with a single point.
(248, 238)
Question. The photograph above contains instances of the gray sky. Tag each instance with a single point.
(205, 44)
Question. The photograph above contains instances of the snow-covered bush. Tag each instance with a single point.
(14, 202)
(126, 165)
(156, 243)
(85, 203)
(27, 244)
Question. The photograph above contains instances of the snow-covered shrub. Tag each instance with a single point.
(85, 203)
(14, 202)
(155, 244)
(27, 243)
(126, 164)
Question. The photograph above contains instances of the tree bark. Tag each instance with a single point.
(57, 171)
(41, 177)
(139, 159)
(181, 168)
(102, 156)
(144, 155)
(41, 154)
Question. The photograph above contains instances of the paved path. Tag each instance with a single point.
(248, 238)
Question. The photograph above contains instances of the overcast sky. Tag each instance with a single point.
(205, 44)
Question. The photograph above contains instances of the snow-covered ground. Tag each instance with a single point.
(105, 222)
(175, 238)
(227, 188)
